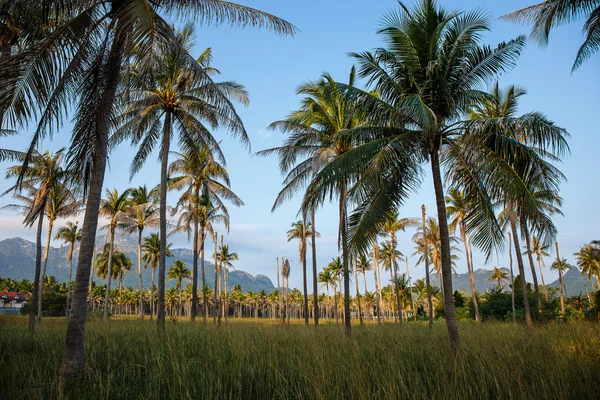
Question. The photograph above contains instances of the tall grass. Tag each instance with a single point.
(127, 360)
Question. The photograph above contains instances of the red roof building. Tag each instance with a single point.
(13, 299)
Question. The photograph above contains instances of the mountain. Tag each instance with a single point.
(17, 261)
(461, 281)
(574, 283)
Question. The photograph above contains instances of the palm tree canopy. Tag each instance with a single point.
(151, 250)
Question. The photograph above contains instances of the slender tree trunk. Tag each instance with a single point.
(215, 290)
(152, 302)
(343, 225)
(43, 275)
(314, 267)
(38, 266)
(449, 313)
(73, 358)
(396, 287)
(532, 265)
(226, 287)
(540, 266)
(426, 259)
(141, 277)
(412, 296)
(513, 225)
(166, 140)
(71, 249)
(512, 280)
(279, 288)
(109, 273)
(203, 273)
(304, 274)
(393, 286)
(463, 236)
(357, 293)
(376, 278)
(561, 282)
(194, 308)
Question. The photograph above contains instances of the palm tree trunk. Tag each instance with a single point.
(73, 358)
(38, 267)
(141, 278)
(426, 259)
(375, 278)
(152, 303)
(396, 287)
(343, 224)
(109, 272)
(43, 274)
(203, 276)
(540, 266)
(279, 288)
(532, 265)
(226, 287)
(463, 236)
(561, 282)
(449, 313)
(166, 140)
(512, 280)
(194, 309)
(357, 294)
(304, 274)
(215, 287)
(393, 286)
(513, 225)
(72, 247)
(412, 295)
(314, 267)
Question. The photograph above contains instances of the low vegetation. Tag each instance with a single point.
(244, 359)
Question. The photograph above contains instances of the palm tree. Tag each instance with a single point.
(336, 267)
(151, 249)
(285, 274)
(113, 207)
(552, 13)
(201, 176)
(389, 257)
(141, 214)
(561, 265)
(301, 230)
(70, 234)
(44, 173)
(425, 78)
(314, 135)
(392, 224)
(498, 275)
(327, 278)
(458, 210)
(78, 64)
(179, 272)
(177, 97)
(588, 260)
(363, 265)
(225, 258)
(540, 250)
(115, 261)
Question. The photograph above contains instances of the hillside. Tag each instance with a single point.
(17, 261)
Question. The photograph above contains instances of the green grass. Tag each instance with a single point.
(250, 359)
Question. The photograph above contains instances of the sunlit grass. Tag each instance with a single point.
(260, 359)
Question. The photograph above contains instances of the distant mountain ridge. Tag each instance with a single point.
(17, 261)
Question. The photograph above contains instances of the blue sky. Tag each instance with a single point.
(271, 67)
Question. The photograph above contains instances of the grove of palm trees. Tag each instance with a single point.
(413, 220)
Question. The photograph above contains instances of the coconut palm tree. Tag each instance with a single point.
(43, 173)
(392, 224)
(151, 249)
(141, 214)
(285, 274)
(327, 278)
(458, 210)
(114, 208)
(336, 267)
(552, 13)
(363, 265)
(561, 265)
(499, 276)
(225, 258)
(201, 175)
(302, 230)
(178, 98)
(115, 261)
(389, 257)
(78, 66)
(70, 234)
(314, 139)
(179, 272)
(540, 250)
(588, 260)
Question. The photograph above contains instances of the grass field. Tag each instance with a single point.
(254, 359)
